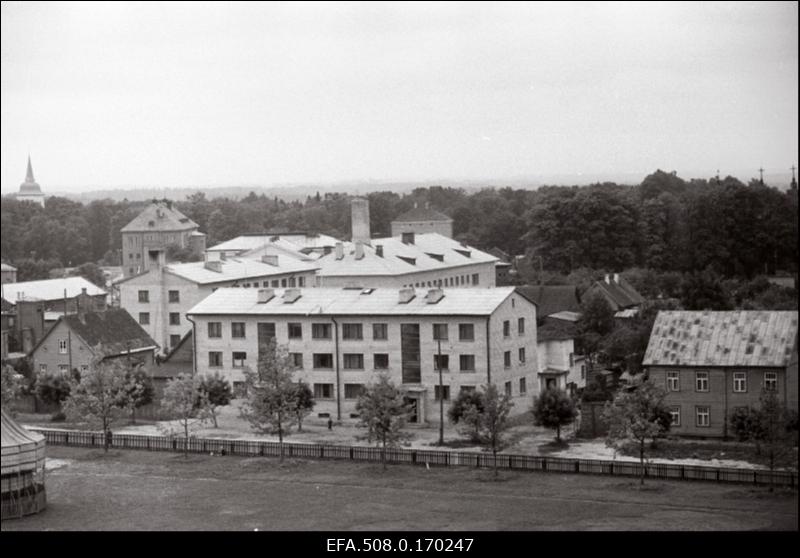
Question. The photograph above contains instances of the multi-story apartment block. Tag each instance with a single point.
(340, 340)
(159, 298)
(146, 238)
(710, 363)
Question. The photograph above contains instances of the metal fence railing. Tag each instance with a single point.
(665, 471)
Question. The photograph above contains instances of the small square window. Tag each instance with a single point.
(701, 381)
(466, 332)
(380, 361)
(380, 332)
(295, 330)
(440, 332)
(144, 296)
(174, 318)
(237, 330)
(174, 296)
(239, 359)
(770, 381)
(214, 359)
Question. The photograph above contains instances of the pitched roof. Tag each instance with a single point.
(421, 214)
(49, 289)
(6, 267)
(160, 216)
(556, 330)
(295, 240)
(430, 251)
(114, 329)
(235, 269)
(551, 299)
(327, 301)
(739, 338)
(620, 291)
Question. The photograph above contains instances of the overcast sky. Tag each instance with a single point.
(159, 94)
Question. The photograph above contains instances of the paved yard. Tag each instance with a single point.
(127, 490)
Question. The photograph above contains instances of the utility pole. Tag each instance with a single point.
(441, 392)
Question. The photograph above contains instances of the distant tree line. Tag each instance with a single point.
(665, 224)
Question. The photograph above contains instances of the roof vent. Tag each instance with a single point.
(291, 295)
(213, 266)
(608, 279)
(465, 253)
(407, 295)
(408, 238)
(616, 277)
(265, 295)
(412, 261)
(359, 250)
(367, 291)
(270, 259)
(438, 257)
(434, 296)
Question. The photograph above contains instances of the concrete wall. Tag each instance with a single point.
(444, 228)
(720, 397)
(481, 347)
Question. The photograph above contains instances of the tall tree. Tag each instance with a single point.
(303, 403)
(553, 408)
(139, 391)
(493, 420)
(383, 411)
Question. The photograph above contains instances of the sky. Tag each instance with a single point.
(132, 94)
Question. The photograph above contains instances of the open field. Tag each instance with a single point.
(128, 490)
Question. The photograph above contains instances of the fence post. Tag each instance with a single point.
(611, 468)
(544, 464)
(66, 439)
(717, 475)
(683, 472)
(351, 453)
(577, 466)
(148, 442)
(755, 477)
(414, 457)
(322, 452)
(92, 440)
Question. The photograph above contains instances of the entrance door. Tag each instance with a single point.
(551, 383)
(413, 410)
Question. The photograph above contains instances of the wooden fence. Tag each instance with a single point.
(433, 458)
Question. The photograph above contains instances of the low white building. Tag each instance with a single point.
(159, 298)
(342, 339)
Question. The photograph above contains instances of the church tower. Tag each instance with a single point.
(30, 190)
(793, 185)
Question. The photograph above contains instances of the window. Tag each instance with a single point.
(439, 390)
(440, 332)
(321, 331)
(521, 326)
(174, 340)
(507, 359)
(62, 346)
(475, 278)
(466, 332)
(508, 388)
(583, 371)
(770, 381)
(673, 381)
(283, 282)
(42, 369)
(297, 359)
(174, 296)
(275, 283)
(444, 361)
(214, 358)
(352, 391)
(380, 332)
(323, 391)
(237, 330)
(323, 360)
(571, 360)
(701, 381)
(703, 416)
(675, 414)
(238, 359)
(522, 354)
(63, 368)
(144, 296)
(144, 318)
(174, 318)
(506, 328)
(380, 361)
(467, 363)
(295, 330)
(352, 331)
(523, 388)
(214, 329)
(353, 361)
(301, 281)
(739, 382)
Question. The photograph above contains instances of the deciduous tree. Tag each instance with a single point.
(553, 408)
(183, 400)
(383, 411)
(217, 392)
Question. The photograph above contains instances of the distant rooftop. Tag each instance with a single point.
(234, 269)
(160, 216)
(298, 240)
(326, 301)
(421, 214)
(49, 289)
(6, 267)
(738, 338)
(551, 299)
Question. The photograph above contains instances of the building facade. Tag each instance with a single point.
(341, 340)
(711, 363)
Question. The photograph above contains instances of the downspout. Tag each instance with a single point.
(488, 355)
(338, 382)
(194, 345)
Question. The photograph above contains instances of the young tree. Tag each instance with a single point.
(53, 389)
(771, 426)
(383, 411)
(139, 392)
(270, 404)
(303, 403)
(465, 410)
(218, 393)
(99, 396)
(554, 409)
(11, 383)
(636, 415)
(493, 420)
(183, 400)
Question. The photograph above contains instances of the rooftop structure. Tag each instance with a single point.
(304, 245)
(618, 292)
(552, 299)
(50, 289)
(237, 269)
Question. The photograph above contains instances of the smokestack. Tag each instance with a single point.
(359, 212)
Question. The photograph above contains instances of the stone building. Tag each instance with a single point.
(342, 339)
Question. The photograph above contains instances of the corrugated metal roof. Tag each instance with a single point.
(739, 338)
(162, 217)
(430, 251)
(234, 269)
(463, 302)
(49, 289)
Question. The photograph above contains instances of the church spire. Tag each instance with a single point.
(29, 174)
(793, 185)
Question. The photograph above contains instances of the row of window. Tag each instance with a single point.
(173, 296)
(289, 282)
(457, 281)
(174, 318)
(352, 391)
(62, 368)
(739, 381)
(702, 416)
